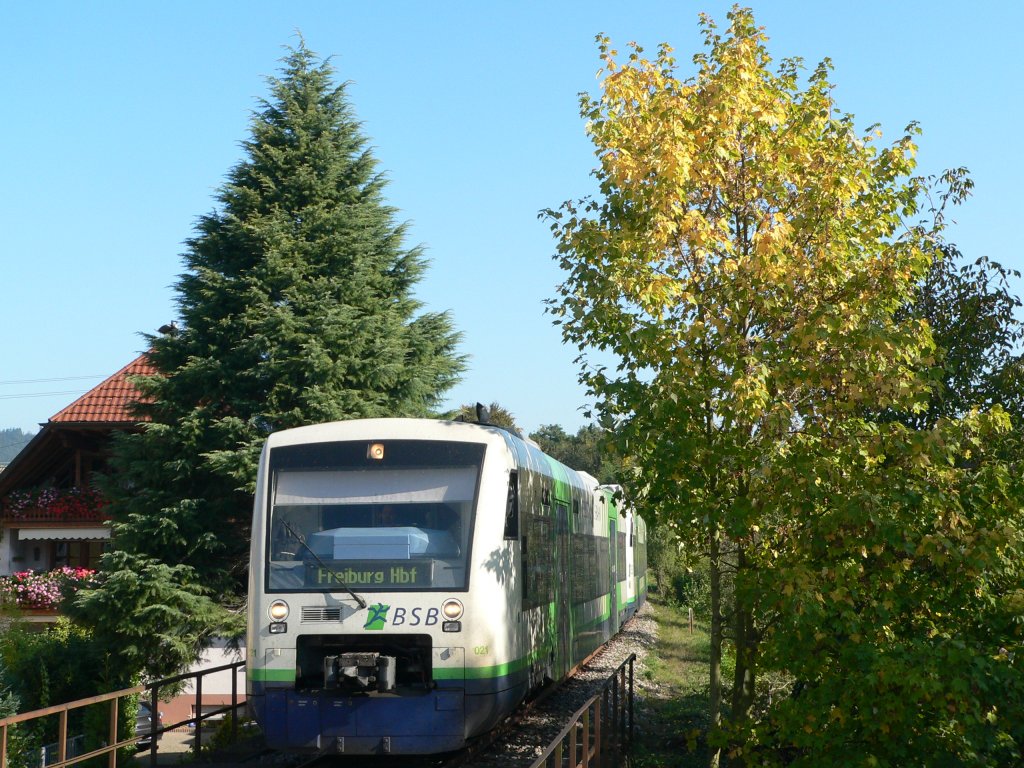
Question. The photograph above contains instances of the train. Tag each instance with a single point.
(412, 581)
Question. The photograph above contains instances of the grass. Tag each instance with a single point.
(672, 716)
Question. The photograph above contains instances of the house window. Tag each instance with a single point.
(78, 554)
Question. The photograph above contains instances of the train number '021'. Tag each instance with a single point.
(481, 650)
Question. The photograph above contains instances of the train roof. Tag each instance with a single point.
(416, 429)
(389, 428)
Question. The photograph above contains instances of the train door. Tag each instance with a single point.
(613, 559)
(629, 524)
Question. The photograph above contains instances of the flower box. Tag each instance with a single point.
(54, 505)
(32, 591)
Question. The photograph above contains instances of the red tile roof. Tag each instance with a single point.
(109, 402)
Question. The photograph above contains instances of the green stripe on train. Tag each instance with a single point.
(486, 673)
(273, 675)
(605, 608)
(440, 673)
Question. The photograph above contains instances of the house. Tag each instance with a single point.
(53, 521)
(51, 514)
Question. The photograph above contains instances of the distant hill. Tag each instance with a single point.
(12, 440)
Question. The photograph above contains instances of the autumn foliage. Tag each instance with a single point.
(748, 263)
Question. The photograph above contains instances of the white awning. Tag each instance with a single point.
(63, 534)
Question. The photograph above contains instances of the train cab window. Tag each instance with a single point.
(339, 516)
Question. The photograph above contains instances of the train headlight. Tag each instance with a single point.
(278, 610)
(375, 451)
(452, 609)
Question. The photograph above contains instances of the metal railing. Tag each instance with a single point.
(200, 715)
(62, 711)
(601, 728)
(112, 743)
(50, 753)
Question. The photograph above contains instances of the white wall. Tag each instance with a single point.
(219, 682)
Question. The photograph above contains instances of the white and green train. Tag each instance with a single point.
(413, 580)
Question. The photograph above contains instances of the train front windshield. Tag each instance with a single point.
(371, 516)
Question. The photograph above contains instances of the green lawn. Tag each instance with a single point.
(672, 715)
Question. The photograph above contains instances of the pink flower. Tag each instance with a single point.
(28, 589)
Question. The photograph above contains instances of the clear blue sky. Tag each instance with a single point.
(120, 120)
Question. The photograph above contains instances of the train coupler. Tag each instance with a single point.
(363, 671)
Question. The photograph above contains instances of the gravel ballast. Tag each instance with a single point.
(520, 746)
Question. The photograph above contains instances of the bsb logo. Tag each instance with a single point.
(377, 617)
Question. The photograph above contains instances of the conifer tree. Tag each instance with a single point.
(296, 308)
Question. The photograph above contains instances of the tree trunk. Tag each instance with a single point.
(715, 695)
(746, 650)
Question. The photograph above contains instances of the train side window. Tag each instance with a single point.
(620, 554)
(512, 507)
(527, 581)
(561, 517)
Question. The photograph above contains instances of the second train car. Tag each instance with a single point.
(413, 580)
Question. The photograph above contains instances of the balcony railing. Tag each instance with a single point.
(53, 505)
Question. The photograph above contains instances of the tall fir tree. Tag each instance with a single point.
(297, 308)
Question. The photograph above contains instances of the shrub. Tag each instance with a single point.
(691, 587)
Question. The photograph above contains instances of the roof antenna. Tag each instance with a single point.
(483, 414)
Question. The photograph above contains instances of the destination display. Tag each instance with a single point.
(370, 573)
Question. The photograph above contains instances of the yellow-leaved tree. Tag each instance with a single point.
(744, 264)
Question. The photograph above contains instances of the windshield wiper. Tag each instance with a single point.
(337, 576)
